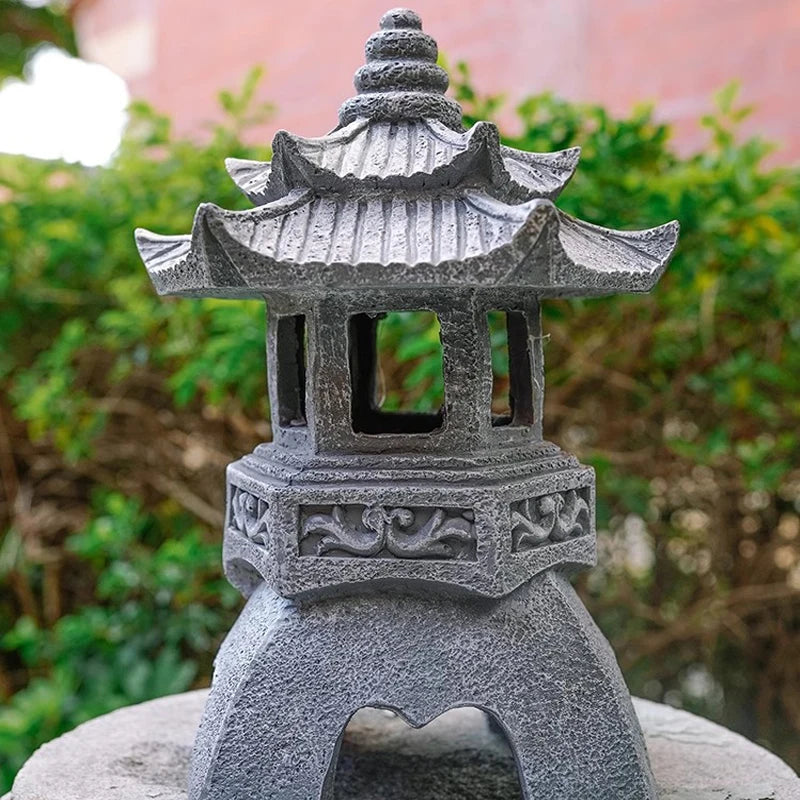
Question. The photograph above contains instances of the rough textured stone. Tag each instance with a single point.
(304, 526)
(534, 660)
(142, 752)
(417, 561)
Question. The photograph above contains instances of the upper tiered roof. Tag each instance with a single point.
(400, 195)
(418, 155)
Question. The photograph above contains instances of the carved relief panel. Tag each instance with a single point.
(249, 515)
(359, 531)
(554, 517)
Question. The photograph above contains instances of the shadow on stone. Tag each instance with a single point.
(461, 754)
(155, 764)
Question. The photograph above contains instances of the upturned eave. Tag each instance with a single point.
(420, 155)
(536, 246)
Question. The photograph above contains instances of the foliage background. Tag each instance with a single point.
(24, 28)
(119, 412)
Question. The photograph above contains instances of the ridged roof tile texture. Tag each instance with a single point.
(401, 195)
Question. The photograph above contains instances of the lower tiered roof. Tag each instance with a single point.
(459, 239)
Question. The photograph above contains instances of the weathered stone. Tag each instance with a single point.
(415, 561)
(142, 752)
(534, 660)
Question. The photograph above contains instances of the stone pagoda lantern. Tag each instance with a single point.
(411, 561)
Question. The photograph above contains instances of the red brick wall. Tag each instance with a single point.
(678, 52)
(618, 52)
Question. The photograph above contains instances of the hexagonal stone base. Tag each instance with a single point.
(485, 524)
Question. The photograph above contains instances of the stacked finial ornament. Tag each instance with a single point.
(401, 79)
(420, 561)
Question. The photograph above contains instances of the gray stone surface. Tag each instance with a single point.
(142, 753)
(293, 674)
(303, 525)
(416, 561)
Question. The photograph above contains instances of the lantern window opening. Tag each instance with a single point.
(512, 373)
(396, 366)
(292, 354)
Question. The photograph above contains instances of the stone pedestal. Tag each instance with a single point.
(284, 689)
(142, 753)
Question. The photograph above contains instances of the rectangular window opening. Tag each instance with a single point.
(396, 372)
(512, 379)
(291, 360)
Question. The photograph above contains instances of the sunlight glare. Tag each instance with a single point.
(66, 108)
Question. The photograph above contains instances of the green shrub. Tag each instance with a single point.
(25, 26)
(119, 411)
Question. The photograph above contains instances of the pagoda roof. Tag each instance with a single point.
(406, 154)
(400, 195)
(326, 243)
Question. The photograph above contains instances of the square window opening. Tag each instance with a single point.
(292, 348)
(512, 377)
(396, 372)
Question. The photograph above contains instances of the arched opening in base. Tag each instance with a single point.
(463, 753)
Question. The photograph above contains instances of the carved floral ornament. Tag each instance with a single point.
(550, 518)
(249, 515)
(381, 531)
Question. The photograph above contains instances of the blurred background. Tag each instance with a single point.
(119, 411)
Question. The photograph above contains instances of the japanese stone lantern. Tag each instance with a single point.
(412, 561)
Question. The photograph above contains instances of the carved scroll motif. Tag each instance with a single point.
(249, 515)
(550, 518)
(380, 532)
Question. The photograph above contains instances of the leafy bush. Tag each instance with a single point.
(120, 410)
(24, 26)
